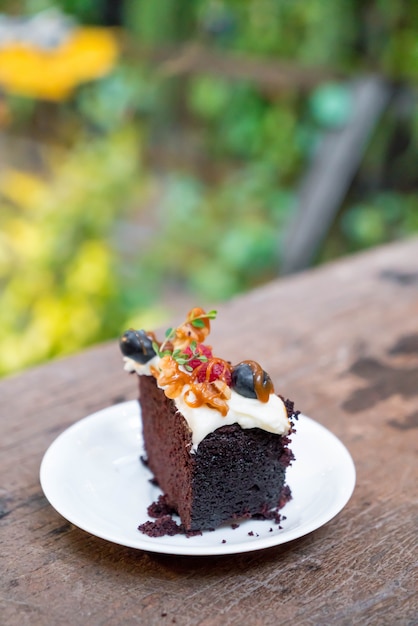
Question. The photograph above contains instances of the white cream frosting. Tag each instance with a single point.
(247, 412)
(142, 369)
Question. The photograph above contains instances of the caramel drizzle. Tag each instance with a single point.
(209, 365)
(187, 332)
(170, 377)
(263, 388)
(214, 395)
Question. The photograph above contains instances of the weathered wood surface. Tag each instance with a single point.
(341, 340)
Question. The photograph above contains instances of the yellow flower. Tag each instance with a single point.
(90, 271)
(25, 239)
(52, 74)
(23, 188)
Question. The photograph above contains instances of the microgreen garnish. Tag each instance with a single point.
(159, 350)
(183, 358)
(198, 322)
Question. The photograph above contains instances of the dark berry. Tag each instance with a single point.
(243, 380)
(137, 345)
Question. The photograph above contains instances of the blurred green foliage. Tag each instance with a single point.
(62, 278)
(92, 239)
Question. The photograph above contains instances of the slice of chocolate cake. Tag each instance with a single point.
(216, 436)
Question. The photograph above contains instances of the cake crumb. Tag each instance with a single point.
(162, 526)
(251, 534)
(160, 508)
(223, 540)
(191, 533)
(234, 526)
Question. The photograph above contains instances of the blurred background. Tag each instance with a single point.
(159, 154)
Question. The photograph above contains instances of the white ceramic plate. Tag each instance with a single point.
(91, 474)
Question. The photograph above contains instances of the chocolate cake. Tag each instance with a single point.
(216, 436)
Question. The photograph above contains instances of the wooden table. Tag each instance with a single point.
(342, 341)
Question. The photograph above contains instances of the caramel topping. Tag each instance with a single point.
(189, 331)
(208, 383)
(213, 369)
(170, 377)
(263, 386)
(214, 395)
(202, 390)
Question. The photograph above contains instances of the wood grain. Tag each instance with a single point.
(342, 341)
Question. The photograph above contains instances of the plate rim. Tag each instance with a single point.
(154, 544)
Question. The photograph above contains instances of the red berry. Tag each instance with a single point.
(200, 349)
(218, 370)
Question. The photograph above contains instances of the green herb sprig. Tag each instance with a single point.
(182, 358)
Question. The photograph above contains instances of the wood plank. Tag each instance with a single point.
(340, 340)
(272, 76)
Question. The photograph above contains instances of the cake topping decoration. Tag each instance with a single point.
(137, 345)
(205, 388)
(193, 330)
(251, 381)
